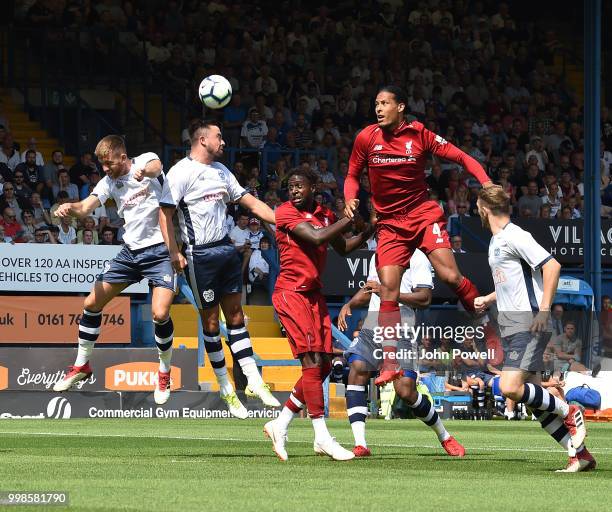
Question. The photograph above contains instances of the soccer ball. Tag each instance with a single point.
(215, 91)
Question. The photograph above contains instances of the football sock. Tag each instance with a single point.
(537, 397)
(357, 410)
(214, 349)
(320, 428)
(89, 330)
(423, 410)
(164, 332)
(480, 394)
(553, 424)
(293, 406)
(313, 391)
(240, 344)
(467, 292)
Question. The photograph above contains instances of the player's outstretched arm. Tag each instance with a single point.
(167, 229)
(257, 208)
(304, 231)
(420, 298)
(81, 209)
(550, 277)
(483, 303)
(343, 246)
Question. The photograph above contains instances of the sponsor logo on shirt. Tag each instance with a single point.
(499, 276)
(389, 160)
(136, 198)
(212, 197)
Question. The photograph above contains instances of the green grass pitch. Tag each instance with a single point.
(226, 465)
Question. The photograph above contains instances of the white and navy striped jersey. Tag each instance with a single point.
(516, 259)
(419, 275)
(137, 203)
(200, 193)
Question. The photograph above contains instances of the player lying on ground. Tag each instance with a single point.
(365, 353)
(303, 231)
(526, 277)
(395, 153)
(135, 185)
(198, 188)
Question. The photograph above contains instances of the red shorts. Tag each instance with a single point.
(305, 317)
(399, 236)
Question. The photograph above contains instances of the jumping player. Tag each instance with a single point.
(363, 357)
(526, 277)
(135, 185)
(198, 188)
(395, 152)
(303, 231)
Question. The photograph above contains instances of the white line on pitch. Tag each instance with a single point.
(241, 440)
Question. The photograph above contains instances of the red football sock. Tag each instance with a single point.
(313, 391)
(295, 402)
(467, 292)
(389, 316)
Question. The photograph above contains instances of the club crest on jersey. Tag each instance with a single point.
(497, 251)
(119, 184)
(208, 295)
(409, 147)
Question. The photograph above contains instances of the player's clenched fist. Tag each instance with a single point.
(178, 262)
(350, 207)
(63, 210)
(139, 174)
(480, 304)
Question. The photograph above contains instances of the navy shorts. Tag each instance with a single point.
(366, 349)
(525, 351)
(132, 266)
(213, 271)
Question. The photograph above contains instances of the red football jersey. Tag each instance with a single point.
(301, 263)
(396, 165)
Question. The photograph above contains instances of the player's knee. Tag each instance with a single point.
(451, 277)
(358, 375)
(160, 315)
(211, 325)
(510, 390)
(90, 303)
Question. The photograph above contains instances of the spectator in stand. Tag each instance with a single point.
(51, 169)
(41, 214)
(328, 127)
(537, 150)
(545, 211)
(22, 190)
(94, 178)
(254, 130)
(258, 267)
(87, 237)
(303, 134)
(240, 233)
(31, 170)
(108, 237)
(12, 228)
(89, 224)
(29, 225)
(66, 234)
(552, 199)
(8, 154)
(326, 177)
(255, 234)
(531, 200)
(66, 186)
(9, 199)
(44, 235)
(31, 146)
(567, 186)
(457, 245)
(79, 172)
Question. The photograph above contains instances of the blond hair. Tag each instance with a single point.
(495, 199)
(109, 145)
